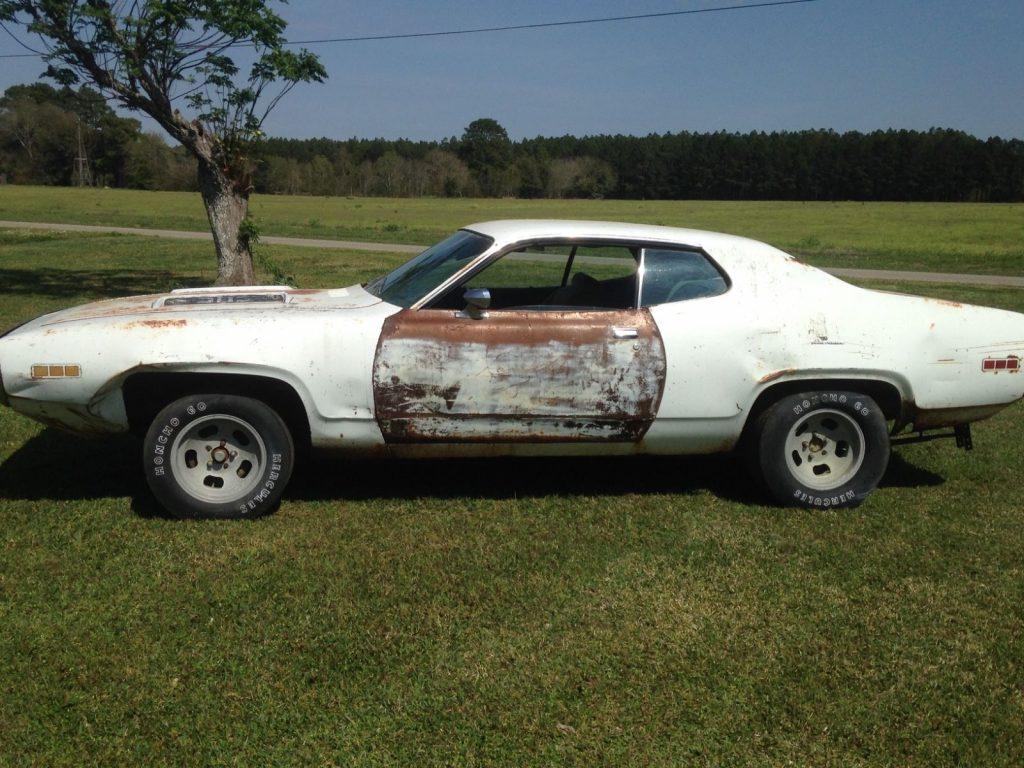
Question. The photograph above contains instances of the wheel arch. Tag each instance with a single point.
(890, 395)
(147, 391)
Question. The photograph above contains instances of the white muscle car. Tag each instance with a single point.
(523, 337)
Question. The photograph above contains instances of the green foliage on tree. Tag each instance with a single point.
(57, 118)
(487, 150)
(933, 165)
(160, 57)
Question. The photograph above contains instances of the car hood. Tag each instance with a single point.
(201, 303)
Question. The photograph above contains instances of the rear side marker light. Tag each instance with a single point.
(996, 364)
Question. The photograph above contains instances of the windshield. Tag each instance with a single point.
(418, 277)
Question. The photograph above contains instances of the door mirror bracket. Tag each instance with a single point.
(477, 301)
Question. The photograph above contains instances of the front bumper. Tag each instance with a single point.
(5, 399)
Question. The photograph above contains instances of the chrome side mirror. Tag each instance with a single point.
(477, 299)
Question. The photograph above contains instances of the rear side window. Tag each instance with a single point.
(677, 275)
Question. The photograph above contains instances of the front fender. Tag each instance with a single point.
(108, 402)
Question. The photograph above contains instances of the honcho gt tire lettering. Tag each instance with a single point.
(218, 456)
(821, 449)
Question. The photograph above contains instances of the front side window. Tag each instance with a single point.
(556, 277)
(416, 278)
(677, 275)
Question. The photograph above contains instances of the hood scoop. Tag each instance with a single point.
(224, 298)
(185, 297)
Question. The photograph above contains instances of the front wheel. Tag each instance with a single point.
(218, 456)
(821, 449)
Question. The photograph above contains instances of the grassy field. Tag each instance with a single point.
(642, 612)
(984, 239)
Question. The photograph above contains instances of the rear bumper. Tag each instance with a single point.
(934, 418)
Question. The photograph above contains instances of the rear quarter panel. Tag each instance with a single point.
(782, 321)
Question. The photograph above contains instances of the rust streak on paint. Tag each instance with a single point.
(411, 430)
(127, 311)
(943, 302)
(776, 375)
(160, 324)
(517, 377)
(507, 327)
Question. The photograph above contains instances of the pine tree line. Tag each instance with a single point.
(63, 136)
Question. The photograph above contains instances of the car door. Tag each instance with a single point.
(547, 362)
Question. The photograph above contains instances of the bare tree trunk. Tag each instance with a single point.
(227, 209)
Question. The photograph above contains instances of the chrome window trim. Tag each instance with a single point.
(690, 249)
(453, 280)
(497, 252)
(641, 272)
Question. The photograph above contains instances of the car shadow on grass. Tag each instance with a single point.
(60, 467)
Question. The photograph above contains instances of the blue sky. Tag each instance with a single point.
(842, 64)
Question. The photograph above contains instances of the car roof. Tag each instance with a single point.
(513, 230)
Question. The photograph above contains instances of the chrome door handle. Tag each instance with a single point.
(625, 333)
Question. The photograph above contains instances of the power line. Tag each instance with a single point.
(542, 25)
(33, 51)
(513, 27)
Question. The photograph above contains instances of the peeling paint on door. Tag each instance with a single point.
(518, 376)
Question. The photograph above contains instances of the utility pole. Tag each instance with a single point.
(83, 173)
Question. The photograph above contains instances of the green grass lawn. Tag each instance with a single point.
(521, 613)
(938, 237)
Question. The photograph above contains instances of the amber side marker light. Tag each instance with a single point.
(56, 371)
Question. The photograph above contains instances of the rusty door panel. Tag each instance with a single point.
(529, 376)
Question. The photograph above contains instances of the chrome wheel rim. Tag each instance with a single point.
(218, 459)
(825, 450)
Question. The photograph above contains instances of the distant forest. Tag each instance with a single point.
(67, 137)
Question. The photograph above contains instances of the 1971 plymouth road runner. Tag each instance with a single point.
(523, 338)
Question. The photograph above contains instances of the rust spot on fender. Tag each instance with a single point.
(943, 302)
(516, 376)
(776, 375)
(159, 324)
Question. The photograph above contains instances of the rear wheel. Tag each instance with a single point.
(218, 456)
(821, 449)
